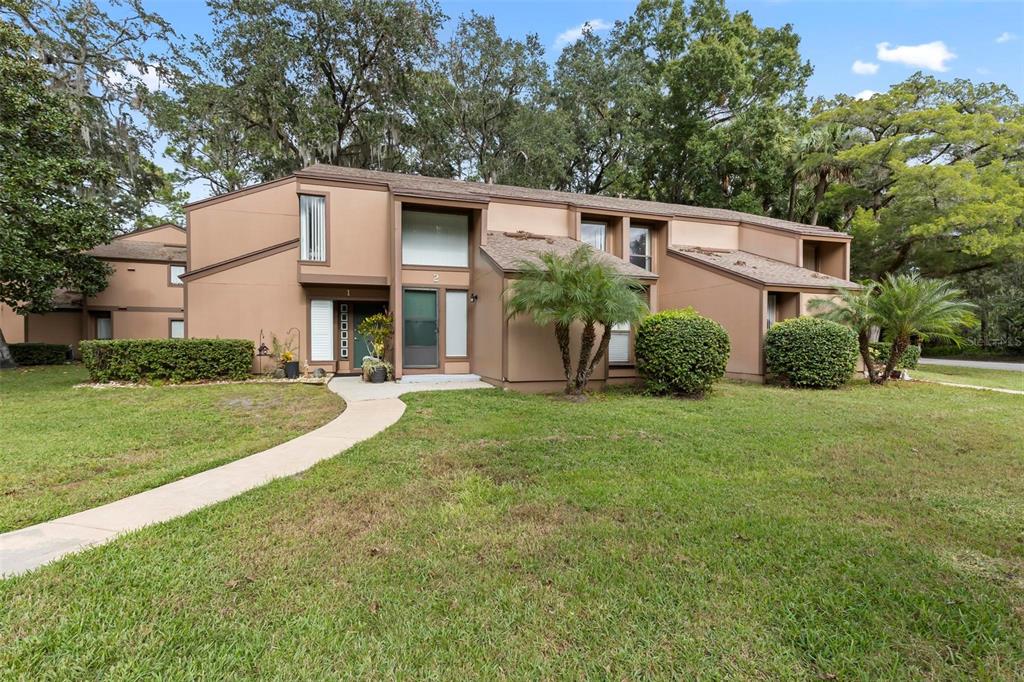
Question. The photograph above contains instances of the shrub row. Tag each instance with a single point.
(167, 359)
(40, 353)
(808, 352)
(678, 352)
(880, 354)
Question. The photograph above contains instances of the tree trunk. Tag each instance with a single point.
(602, 348)
(865, 354)
(583, 367)
(6, 359)
(899, 345)
(562, 334)
(819, 194)
(792, 197)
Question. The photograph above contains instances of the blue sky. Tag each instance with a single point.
(886, 40)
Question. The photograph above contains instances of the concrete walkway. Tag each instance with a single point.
(370, 408)
(976, 364)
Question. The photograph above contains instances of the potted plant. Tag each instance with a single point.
(378, 329)
(285, 354)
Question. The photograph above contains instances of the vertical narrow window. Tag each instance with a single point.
(455, 327)
(773, 310)
(104, 327)
(593, 233)
(313, 228)
(177, 329)
(321, 330)
(176, 271)
(640, 247)
(618, 345)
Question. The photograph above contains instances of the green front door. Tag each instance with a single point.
(419, 331)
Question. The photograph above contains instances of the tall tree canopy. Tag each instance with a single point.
(935, 180)
(284, 84)
(98, 58)
(55, 198)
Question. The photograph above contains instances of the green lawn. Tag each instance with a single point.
(991, 378)
(763, 533)
(65, 449)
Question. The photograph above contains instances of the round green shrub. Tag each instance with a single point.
(808, 352)
(679, 352)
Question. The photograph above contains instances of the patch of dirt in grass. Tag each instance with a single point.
(1003, 571)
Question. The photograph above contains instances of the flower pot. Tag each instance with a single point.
(378, 375)
(291, 370)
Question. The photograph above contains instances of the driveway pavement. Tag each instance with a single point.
(977, 364)
(370, 408)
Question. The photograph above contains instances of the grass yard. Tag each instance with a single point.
(65, 449)
(762, 533)
(991, 378)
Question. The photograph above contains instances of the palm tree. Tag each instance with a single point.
(909, 305)
(578, 288)
(901, 306)
(819, 160)
(854, 308)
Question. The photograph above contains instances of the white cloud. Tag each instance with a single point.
(865, 94)
(864, 68)
(149, 76)
(932, 56)
(1006, 37)
(571, 35)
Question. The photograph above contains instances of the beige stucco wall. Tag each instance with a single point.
(166, 234)
(135, 324)
(12, 324)
(706, 234)
(733, 304)
(508, 217)
(238, 303)
(137, 284)
(781, 247)
(533, 354)
(806, 298)
(55, 327)
(359, 224)
(242, 224)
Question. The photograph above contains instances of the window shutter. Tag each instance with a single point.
(320, 330)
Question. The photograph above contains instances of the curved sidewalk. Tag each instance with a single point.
(369, 410)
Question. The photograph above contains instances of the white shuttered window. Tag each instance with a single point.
(618, 345)
(455, 324)
(321, 328)
(313, 227)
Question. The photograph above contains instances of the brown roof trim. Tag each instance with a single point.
(121, 259)
(209, 201)
(341, 280)
(265, 252)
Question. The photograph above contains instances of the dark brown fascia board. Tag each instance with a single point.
(342, 280)
(759, 283)
(475, 200)
(135, 308)
(117, 259)
(265, 252)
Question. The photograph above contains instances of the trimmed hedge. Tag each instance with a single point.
(809, 352)
(173, 360)
(40, 353)
(679, 352)
(880, 353)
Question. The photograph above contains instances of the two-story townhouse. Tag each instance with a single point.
(310, 255)
(144, 297)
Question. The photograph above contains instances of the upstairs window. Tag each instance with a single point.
(593, 233)
(312, 228)
(438, 239)
(176, 272)
(640, 247)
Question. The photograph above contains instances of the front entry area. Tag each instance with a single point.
(420, 328)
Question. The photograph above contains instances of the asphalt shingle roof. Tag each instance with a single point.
(509, 249)
(138, 250)
(478, 191)
(761, 269)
